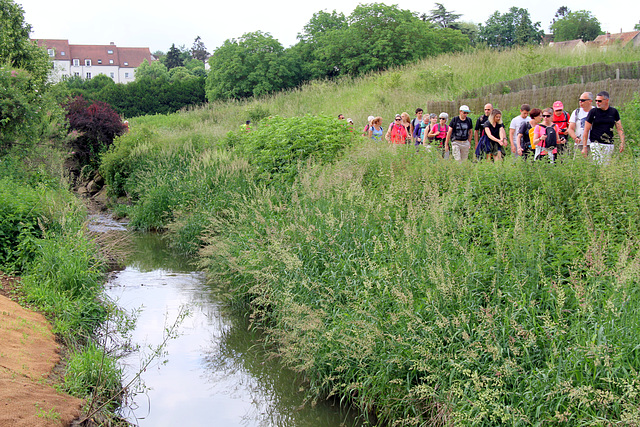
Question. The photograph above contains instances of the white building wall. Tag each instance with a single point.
(127, 75)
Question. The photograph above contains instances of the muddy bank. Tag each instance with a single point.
(29, 354)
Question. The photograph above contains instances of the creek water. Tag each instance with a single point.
(215, 372)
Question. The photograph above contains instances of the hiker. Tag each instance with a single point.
(477, 132)
(515, 124)
(433, 120)
(494, 129)
(340, 117)
(561, 119)
(546, 137)
(524, 139)
(406, 122)
(417, 121)
(397, 133)
(599, 129)
(439, 131)
(459, 134)
(365, 131)
(375, 130)
(577, 121)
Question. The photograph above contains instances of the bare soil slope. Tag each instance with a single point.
(28, 354)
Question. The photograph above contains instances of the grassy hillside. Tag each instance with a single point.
(422, 291)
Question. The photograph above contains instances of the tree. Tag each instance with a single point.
(637, 27)
(513, 28)
(469, 29)
(96, 125)
(198, 50)
(252, 65)
(16, 50)
(173, 58)
(155, 70)
(576, 25)
(441, 17)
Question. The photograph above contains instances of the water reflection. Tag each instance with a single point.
(216, 373)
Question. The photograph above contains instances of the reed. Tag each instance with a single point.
(422, 291)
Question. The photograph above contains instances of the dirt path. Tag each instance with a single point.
(28, 354)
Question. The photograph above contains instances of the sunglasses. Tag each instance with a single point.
(599, 100)
(442, 118)
(546, 115)
(584, 100)
(397, 120)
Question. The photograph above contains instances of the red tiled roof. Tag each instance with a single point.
(61, 48)
(129, 57)
(622, 38)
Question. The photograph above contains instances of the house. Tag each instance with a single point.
(631, 38)
(87, 61)
(570, 45)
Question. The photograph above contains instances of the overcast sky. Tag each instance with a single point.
(135, 23)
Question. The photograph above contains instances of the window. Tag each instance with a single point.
(112, 75)
(51, 52)
(76, 62)
(76, 74)
(87, 63)
(126, 75)
(99, 61)
(88, 76)
(62, 53)
(111, 61)
(110, 52)
(126, 64)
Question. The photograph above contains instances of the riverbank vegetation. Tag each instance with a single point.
(419, 290)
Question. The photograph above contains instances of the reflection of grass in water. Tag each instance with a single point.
(277, 393)
(150, 252)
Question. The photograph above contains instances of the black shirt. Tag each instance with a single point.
(480, 122)
(460, 129)
(602, 123)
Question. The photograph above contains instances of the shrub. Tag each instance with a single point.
(96, 125)
(279, 145)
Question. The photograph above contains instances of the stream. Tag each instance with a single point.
(215, 371)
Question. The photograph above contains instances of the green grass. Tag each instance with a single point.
(422, 291)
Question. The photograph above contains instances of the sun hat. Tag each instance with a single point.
(465, 108)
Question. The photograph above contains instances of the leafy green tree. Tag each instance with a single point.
(441, 17)
(576, 25)
(513, 28)
(252, 65)
(469, 29)
(195, 67)
(198, 50)
(155, 70)
(16, 50)
(637, 27)
(173, 58)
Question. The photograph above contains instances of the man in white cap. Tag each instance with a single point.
(459, 134)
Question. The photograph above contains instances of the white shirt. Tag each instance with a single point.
(579, 117)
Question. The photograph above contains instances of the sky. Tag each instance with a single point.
(135, 23)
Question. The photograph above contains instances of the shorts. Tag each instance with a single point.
(601, 153)
(460, 150)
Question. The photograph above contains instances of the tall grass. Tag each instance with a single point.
(422, 291)
(427, 292)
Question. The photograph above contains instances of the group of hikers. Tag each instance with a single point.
(537, 133)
